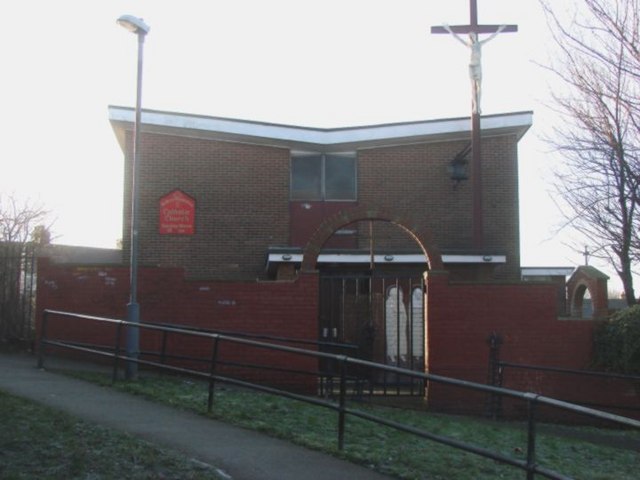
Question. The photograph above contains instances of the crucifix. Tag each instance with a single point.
(475, 73)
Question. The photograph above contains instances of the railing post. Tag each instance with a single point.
(212, 372)
(531, 435)
(43, 339)
(163, 352)
(116, 353)
(342, 400)
(494, 402)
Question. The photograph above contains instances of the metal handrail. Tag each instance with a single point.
(587, 373)
(275, 338)
(502, 365)
(533, 400)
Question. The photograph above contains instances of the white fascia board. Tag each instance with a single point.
(400, 258)
(546, 271)
(474, 258)
(287, 135)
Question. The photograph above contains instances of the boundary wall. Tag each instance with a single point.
(459, 317)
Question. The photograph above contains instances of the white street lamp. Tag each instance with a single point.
(135, 25)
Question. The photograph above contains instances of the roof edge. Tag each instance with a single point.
(229, 129)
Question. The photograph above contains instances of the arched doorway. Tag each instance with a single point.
(373, 297)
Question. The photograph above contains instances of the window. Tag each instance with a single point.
(306, 177)
(316, 176)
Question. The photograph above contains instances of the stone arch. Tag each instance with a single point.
(589, 279)
(348, 216)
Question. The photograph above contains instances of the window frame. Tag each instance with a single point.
(352, 155)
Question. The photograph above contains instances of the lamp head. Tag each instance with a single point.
(458, 166)
(133, 24)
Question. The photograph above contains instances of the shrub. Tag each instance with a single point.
(617, 342)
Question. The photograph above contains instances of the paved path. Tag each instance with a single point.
(239, 453)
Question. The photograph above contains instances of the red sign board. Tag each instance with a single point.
(177, 214)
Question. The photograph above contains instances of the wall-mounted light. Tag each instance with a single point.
(388, 258)
(458, 166)
(286, 257)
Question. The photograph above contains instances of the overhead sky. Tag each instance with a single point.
(319, 63)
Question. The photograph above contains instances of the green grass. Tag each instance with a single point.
(390, 451)
(39, 442)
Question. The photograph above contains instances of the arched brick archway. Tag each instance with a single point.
(588, 279)
(352, 215)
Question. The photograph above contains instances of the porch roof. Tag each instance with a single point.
(278, 255)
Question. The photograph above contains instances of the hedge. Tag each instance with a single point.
(617, 342)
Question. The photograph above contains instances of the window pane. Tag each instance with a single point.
(340, 177)
(306, 174)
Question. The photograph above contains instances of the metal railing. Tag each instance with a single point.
(498, 367)
(533, 401)
(502, 366)
(312, 344)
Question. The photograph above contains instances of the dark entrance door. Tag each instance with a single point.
(375, 317)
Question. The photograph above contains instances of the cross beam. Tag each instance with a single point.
(473, 24)
(475, 70)
(475, 29)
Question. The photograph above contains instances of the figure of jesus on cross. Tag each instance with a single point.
(475, 46)
(475, 72)
(475, 62)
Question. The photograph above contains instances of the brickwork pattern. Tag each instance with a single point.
(285, 309)
(460, 317)
(242, 201)
(241, 193)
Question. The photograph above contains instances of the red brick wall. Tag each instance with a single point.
(460, 317)
(287, 309)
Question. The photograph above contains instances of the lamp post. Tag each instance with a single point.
(135, 25)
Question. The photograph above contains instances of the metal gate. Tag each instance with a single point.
(378, 318)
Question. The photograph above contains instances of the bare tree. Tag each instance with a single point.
(19, 219)
(21, 230)
(598, 65)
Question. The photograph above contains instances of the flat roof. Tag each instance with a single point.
(315, 139)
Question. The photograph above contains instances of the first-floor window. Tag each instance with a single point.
(330, 176)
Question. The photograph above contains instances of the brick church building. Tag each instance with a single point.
(366, 237)
(249, 197)
(255, 193)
